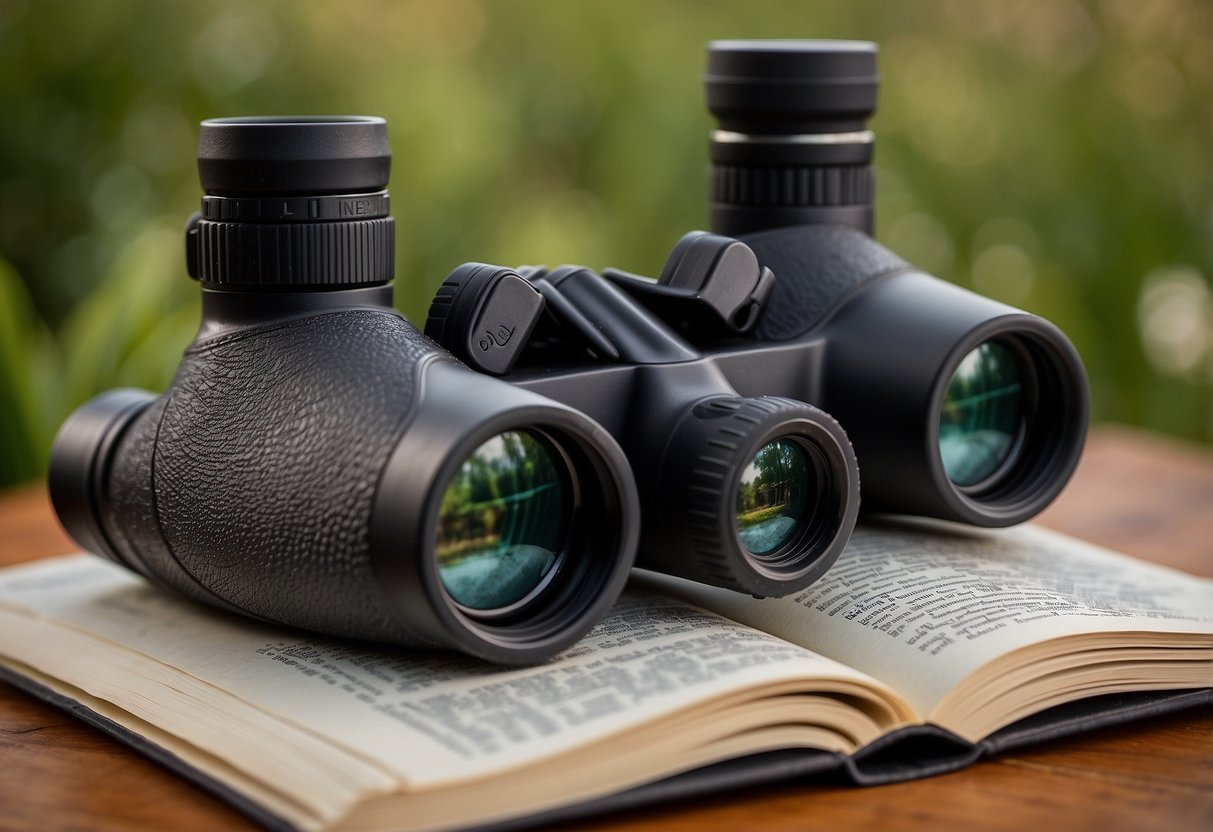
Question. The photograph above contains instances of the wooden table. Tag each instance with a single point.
(1135, 492)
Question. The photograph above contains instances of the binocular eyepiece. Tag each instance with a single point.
(293, 202)
(486, 486)
(317, 462)
(792, 145)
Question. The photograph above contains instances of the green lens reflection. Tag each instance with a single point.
(772, 495)
(982, 414)
(503, 521)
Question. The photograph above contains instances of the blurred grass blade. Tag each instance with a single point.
(30, 378)
(132, 329)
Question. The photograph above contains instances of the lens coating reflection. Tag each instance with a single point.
(503, 521)
(772, 495)
(982, 414)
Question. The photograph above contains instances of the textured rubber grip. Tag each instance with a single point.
(131, 524)
(267, 455)
(816, 268)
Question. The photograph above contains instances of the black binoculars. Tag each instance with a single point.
(487, 486)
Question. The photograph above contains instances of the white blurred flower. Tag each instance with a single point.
(1175, 319)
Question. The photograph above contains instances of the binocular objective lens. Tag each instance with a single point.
(504, 521)
(772, 495)
(982, 416)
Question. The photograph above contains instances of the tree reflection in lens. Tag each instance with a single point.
(772, 495)
(503, 521)
(982, 414)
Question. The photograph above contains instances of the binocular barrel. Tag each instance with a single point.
(958, 407)
(317, 462)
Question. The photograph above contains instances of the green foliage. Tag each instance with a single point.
(27, 365)
(760, 515)
(131, 330)
(1057, 155)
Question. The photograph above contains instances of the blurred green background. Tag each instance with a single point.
(1054, 154)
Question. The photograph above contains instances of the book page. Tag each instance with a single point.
(921, 607)
(426, 717)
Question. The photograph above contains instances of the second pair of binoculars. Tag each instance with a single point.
(486, 486)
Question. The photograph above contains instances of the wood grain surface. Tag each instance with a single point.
(1136, 492)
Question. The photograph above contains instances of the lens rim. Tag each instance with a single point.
(1055, 392)
(567, 473)
(571, 592)
(456, 410)
(828, 522)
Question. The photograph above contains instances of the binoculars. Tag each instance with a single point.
(487, 486)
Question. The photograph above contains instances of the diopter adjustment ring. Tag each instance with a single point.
(799, 186)
(306, 254)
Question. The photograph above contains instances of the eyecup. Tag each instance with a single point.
(283, 155)
(791, 86)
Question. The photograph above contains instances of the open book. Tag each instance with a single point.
(920, 651)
